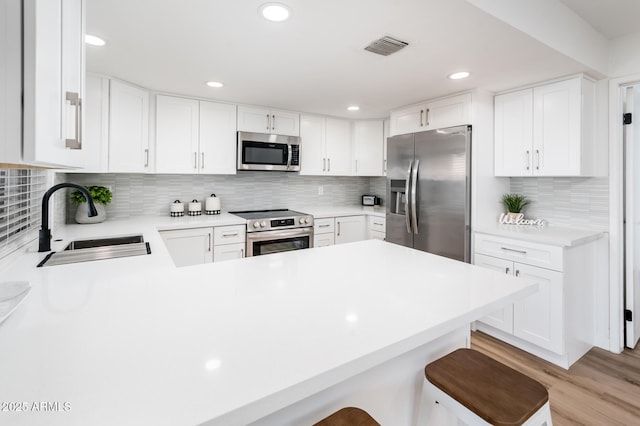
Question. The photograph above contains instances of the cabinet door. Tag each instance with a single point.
(502, 319)
(408, 120)
(538, 318)
(228, 252)
(10, 82)
(254, 119)
(96, 135)
(323, 240)
(189, 246)
(285, 123)
(453, 111)
(368, 148)
(350, 228)
(128, 128)
(177, 135)
(338, 147)
(313, 160)
(387, 125)
(556, 129)
(217, 138)
(513, 123)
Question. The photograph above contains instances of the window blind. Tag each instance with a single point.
(21, 193)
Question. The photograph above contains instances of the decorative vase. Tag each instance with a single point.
(512, 216)
(82, 213)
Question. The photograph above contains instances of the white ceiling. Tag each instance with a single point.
(315, 62)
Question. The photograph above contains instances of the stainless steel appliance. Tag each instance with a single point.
(274, 231)
(429, 191)
(261, 151)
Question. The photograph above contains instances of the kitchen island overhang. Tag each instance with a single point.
(237, 341)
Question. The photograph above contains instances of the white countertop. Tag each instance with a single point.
(138, 341)
(552, 235)
(322, 212)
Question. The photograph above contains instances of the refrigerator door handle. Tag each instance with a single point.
(406, 198)
(414, 184)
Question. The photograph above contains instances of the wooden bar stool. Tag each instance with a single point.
(349, 416)
(481, 391)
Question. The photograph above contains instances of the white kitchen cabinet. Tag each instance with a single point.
(10, 78)
(96, 127)
(229, 242)
(191, 246)
(326, 146)
(376, 227)
(430, 115)
(194, 136)
(547, 130)
(128, 128)
(387, 125)
(53, 82)
(368, 147)
(265, 120)
(324, 232)
(557, 323)
(349, 229)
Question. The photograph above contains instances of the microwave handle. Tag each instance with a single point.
(289, 155)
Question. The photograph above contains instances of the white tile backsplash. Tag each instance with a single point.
(571, 202)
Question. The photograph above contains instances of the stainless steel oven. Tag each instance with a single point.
(275, 231)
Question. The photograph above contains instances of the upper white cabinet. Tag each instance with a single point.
(368, 148)
(96, 121)
(53, 80)
(129, 149)
(194, 136)
(10, 77)
(447, 112)
(265, 120)
(326, 146)
(547, 130)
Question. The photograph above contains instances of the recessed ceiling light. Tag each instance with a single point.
(276, 12)
(353, 108)
(94, 40)
(214, 84)
(459, 75)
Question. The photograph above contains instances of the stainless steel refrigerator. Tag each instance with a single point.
(429, 191)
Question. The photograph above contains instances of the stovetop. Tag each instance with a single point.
(266, 220)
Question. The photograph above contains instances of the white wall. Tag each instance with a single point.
(624, 56)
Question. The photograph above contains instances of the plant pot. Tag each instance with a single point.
(82, 213)
(512, 216)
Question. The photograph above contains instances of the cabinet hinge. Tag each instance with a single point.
(626, 118)
(628, 316)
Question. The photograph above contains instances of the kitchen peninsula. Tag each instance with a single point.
(277, 339)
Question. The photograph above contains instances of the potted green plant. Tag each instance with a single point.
(101, 197)
(515, 204)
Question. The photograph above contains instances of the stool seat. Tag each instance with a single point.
(498, 394)
(349, 416)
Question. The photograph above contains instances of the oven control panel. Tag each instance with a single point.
(279, 223)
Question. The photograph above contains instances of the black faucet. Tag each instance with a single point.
(44, 238)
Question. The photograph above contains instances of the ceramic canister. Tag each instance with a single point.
(212, 205)
(177, 209)
(195, 208)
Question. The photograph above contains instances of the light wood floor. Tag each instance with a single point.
(600, 389)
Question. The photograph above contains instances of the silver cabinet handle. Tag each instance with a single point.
(377, 223)
(507, 270)
(273, 123)
(414, 200)
(231, 234)
(537, 159)
(517, 273)
(384, 166)
(146, 157)
(328, 164)
(324, 226)
(195, 160)
(513, 250)
(338, 228)
(202, 160)
(209, 235)
(241, 252)
(268, 122)
(421, 112)
(427, 116)
(74, 100)
(407, 211)
(527, 160)
(324, 164)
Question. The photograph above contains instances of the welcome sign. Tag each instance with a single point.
(519, 220)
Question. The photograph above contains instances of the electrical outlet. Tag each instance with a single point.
(320, 190)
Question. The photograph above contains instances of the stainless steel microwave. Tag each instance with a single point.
(261, 151)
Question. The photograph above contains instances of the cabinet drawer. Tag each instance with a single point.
(228, 234)
(544, 256)
(323, 240)
(377, 224)
(323, 226)
(228, 252)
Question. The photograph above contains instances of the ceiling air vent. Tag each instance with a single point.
(386, 46)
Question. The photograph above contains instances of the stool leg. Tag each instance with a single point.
(541, 418)
(431, 411)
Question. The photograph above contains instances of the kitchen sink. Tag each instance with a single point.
(98, 249)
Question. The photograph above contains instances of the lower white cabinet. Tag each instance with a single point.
(376, 228)
(557, 323)
(229, 242)
(350, 229)
(191, 246)
(324, 232)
